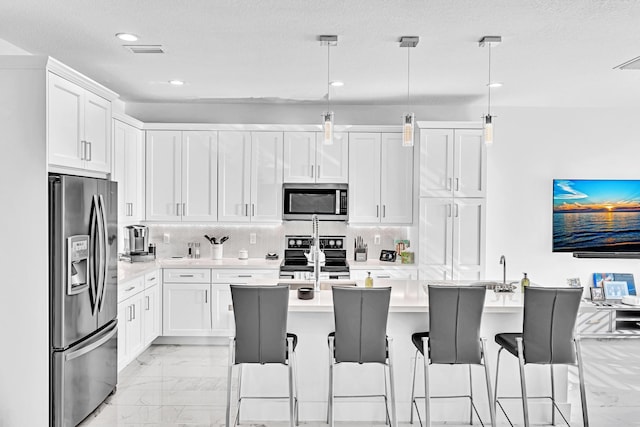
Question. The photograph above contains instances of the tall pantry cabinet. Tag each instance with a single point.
(452, 201)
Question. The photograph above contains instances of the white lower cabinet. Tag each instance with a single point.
(138, 316)
(195, 309)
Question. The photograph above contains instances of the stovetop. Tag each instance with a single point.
(332, 246)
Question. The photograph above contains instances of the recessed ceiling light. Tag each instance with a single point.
(176, 82)
(495, 84)
(337, 83)
(128, 37)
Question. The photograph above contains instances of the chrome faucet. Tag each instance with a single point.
(315, 251)
(503, 261)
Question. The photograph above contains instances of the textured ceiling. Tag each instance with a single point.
(554, 52)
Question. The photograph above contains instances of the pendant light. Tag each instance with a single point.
(408, 118)
(487, 120)
(327, 116)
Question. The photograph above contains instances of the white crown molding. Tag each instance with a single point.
(267, 127)
(66, 72)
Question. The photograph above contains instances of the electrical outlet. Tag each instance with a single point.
(166, 238)
(376, 239)
(252, 238)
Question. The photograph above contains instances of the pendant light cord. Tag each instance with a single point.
(408, 77)
(328, 73)
(489, 83)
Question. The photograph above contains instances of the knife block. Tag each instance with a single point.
(360, 255)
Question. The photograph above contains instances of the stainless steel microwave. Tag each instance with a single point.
(328, 201)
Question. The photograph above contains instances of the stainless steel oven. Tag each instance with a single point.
(329, 201)
(295, 264)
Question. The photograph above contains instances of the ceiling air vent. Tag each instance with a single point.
(633, 64)
(137, 48)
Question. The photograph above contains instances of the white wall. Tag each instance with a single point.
(533, 146)
(24, 290)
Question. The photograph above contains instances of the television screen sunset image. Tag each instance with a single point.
(596, 215)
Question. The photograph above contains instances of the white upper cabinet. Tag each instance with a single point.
(181, 176)
(380, 179)
(452, 163)
(128, 171)
(79, 127)
(250, 176)
(199, 176)
(307, 159)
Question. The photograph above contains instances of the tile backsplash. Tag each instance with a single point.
(270, 238)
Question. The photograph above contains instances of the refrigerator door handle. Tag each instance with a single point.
(93, 346)
(99, 253)
(104, 252)
(93, 268)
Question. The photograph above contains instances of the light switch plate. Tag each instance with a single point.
(166, 238)
(376, 239)
(252, 238)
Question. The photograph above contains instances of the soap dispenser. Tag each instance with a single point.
(368, 282)
(524, 282)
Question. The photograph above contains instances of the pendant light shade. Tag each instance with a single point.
(487, 120)
(408, 119)
(327, 116)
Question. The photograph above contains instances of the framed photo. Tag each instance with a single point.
(597, 294)
(615, 289)
(574, 282)
(386, 255)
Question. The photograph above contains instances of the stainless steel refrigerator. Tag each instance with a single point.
(83, 284)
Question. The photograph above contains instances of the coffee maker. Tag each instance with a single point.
(136, 244)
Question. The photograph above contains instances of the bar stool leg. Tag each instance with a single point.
(523, 385)
(229, 374)
(239, 400)
(492, 409)
(394, 418)
(413, 387)
(470, 397)
(387, 419)
(425, 349)
(553, 398)
(583, 393)
(292, 410)
(331, 367)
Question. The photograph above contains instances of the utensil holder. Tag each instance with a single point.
(216, 251)
(360, 255)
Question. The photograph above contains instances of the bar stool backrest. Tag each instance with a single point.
(260, 314)
(455, 313)
(549, 320)
(361, 324)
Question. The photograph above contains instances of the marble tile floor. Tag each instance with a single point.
(185, 386)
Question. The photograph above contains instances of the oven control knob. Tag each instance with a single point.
(332, 242)
(292, 242)
(298, 242)
(338, 243)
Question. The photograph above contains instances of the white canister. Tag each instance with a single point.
(243, 254)
(216, 251)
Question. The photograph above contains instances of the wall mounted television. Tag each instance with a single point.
(597, 218)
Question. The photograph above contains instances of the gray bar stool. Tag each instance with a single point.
(546, 339)
(455, 313)
(261, 337)
(360, 337)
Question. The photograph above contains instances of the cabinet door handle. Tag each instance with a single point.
(245, 275)
(88, 156)
(230, 308)
(457, 209)
(133, 310)
(253, 209)
(186, 275)
(377, 211)
(384, 211)
(449, 182)
(148, 302)
(384, 276)
(184, 209)
(130, 288)
(246, 209)
(206, 296)
(457, 184)
(311, 171)
(177, 209)
(318, 171)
